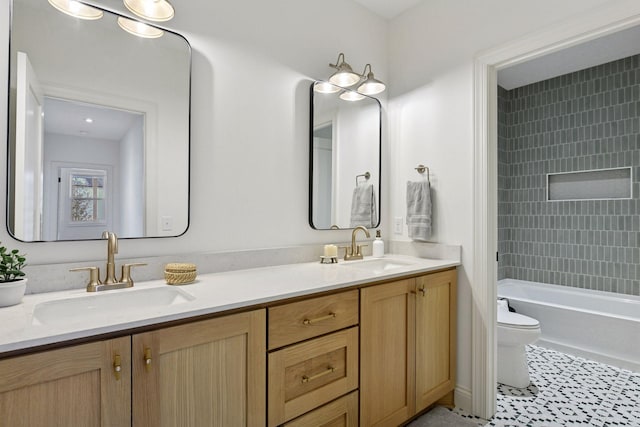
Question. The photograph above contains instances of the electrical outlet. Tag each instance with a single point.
(397, 225)
(167, 223)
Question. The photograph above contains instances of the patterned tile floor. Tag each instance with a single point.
(568, 391)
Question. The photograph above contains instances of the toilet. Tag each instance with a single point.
(515, 331)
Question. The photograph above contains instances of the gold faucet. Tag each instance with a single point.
(112, 248)
(355, 251)
(110, 281)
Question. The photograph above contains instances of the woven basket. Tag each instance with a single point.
(179, 273)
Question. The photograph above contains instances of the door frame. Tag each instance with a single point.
(595, 23)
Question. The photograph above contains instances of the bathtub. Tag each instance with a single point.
(601, 326)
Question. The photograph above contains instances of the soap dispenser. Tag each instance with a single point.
(378, 246)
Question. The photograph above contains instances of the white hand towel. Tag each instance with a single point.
(419, 210)
(364, 207)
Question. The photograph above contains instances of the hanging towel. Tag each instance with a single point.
(364, 207)
(419, 210)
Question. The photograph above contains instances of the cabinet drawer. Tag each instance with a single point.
(341, 412)
(299, 321)
(307, 375)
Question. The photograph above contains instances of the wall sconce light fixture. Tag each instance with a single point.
(139, 29)
(76, 9)
(370, 85)
(346, 77)
(350, 95)
(152, 10)
(83, 11)
(325, 87)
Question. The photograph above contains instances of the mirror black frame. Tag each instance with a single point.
(311, 169)
(10, 98)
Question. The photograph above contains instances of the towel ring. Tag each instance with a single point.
(366, 175)
(421, 169)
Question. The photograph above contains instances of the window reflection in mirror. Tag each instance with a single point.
(92, 103)
(344, 159)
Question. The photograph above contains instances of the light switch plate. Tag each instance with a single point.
(397, 225)
(167, 223)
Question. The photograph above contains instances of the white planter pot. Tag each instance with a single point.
(11, 293)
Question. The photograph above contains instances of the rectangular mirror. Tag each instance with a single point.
(98, 128)
(345, 150)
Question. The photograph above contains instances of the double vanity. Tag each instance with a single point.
(368, 342)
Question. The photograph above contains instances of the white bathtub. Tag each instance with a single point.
(601, 326)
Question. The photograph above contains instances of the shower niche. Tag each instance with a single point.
(602, 184)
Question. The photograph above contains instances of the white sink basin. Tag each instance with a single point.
(378, 265)
(107, 304)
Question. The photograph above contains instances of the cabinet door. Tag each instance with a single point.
(435, 337)
(387, 348)
(73, 386)
(208, 373)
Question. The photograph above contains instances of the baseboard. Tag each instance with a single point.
(462, 397)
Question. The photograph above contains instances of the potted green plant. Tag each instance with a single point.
(12, 280)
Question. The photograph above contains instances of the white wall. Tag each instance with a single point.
(252, 65)
(431, 113)
(132, 190)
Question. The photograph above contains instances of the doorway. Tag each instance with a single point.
(604, 22)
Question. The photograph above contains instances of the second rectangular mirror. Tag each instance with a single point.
(345, 147)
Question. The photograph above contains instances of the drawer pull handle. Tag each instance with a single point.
(318, 319)
(329, 370)
(147, 358)
(117, 367)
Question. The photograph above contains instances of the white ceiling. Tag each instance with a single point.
(69, 118)
(388, 8)
(595, 52)
(589, 54)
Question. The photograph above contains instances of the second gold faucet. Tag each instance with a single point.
(355, 251)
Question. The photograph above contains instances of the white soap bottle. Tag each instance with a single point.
(378, 246)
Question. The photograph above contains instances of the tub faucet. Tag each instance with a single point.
(112, 248)
(355, 251)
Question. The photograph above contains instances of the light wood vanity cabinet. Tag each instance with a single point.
(436, 316)
(374, 356)
(322, 367)
(72, 386)
(407, 339)
(206, 373)
(342, 412)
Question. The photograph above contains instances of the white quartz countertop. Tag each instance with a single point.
(210, 293)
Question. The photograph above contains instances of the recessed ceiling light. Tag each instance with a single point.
(88, 120)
